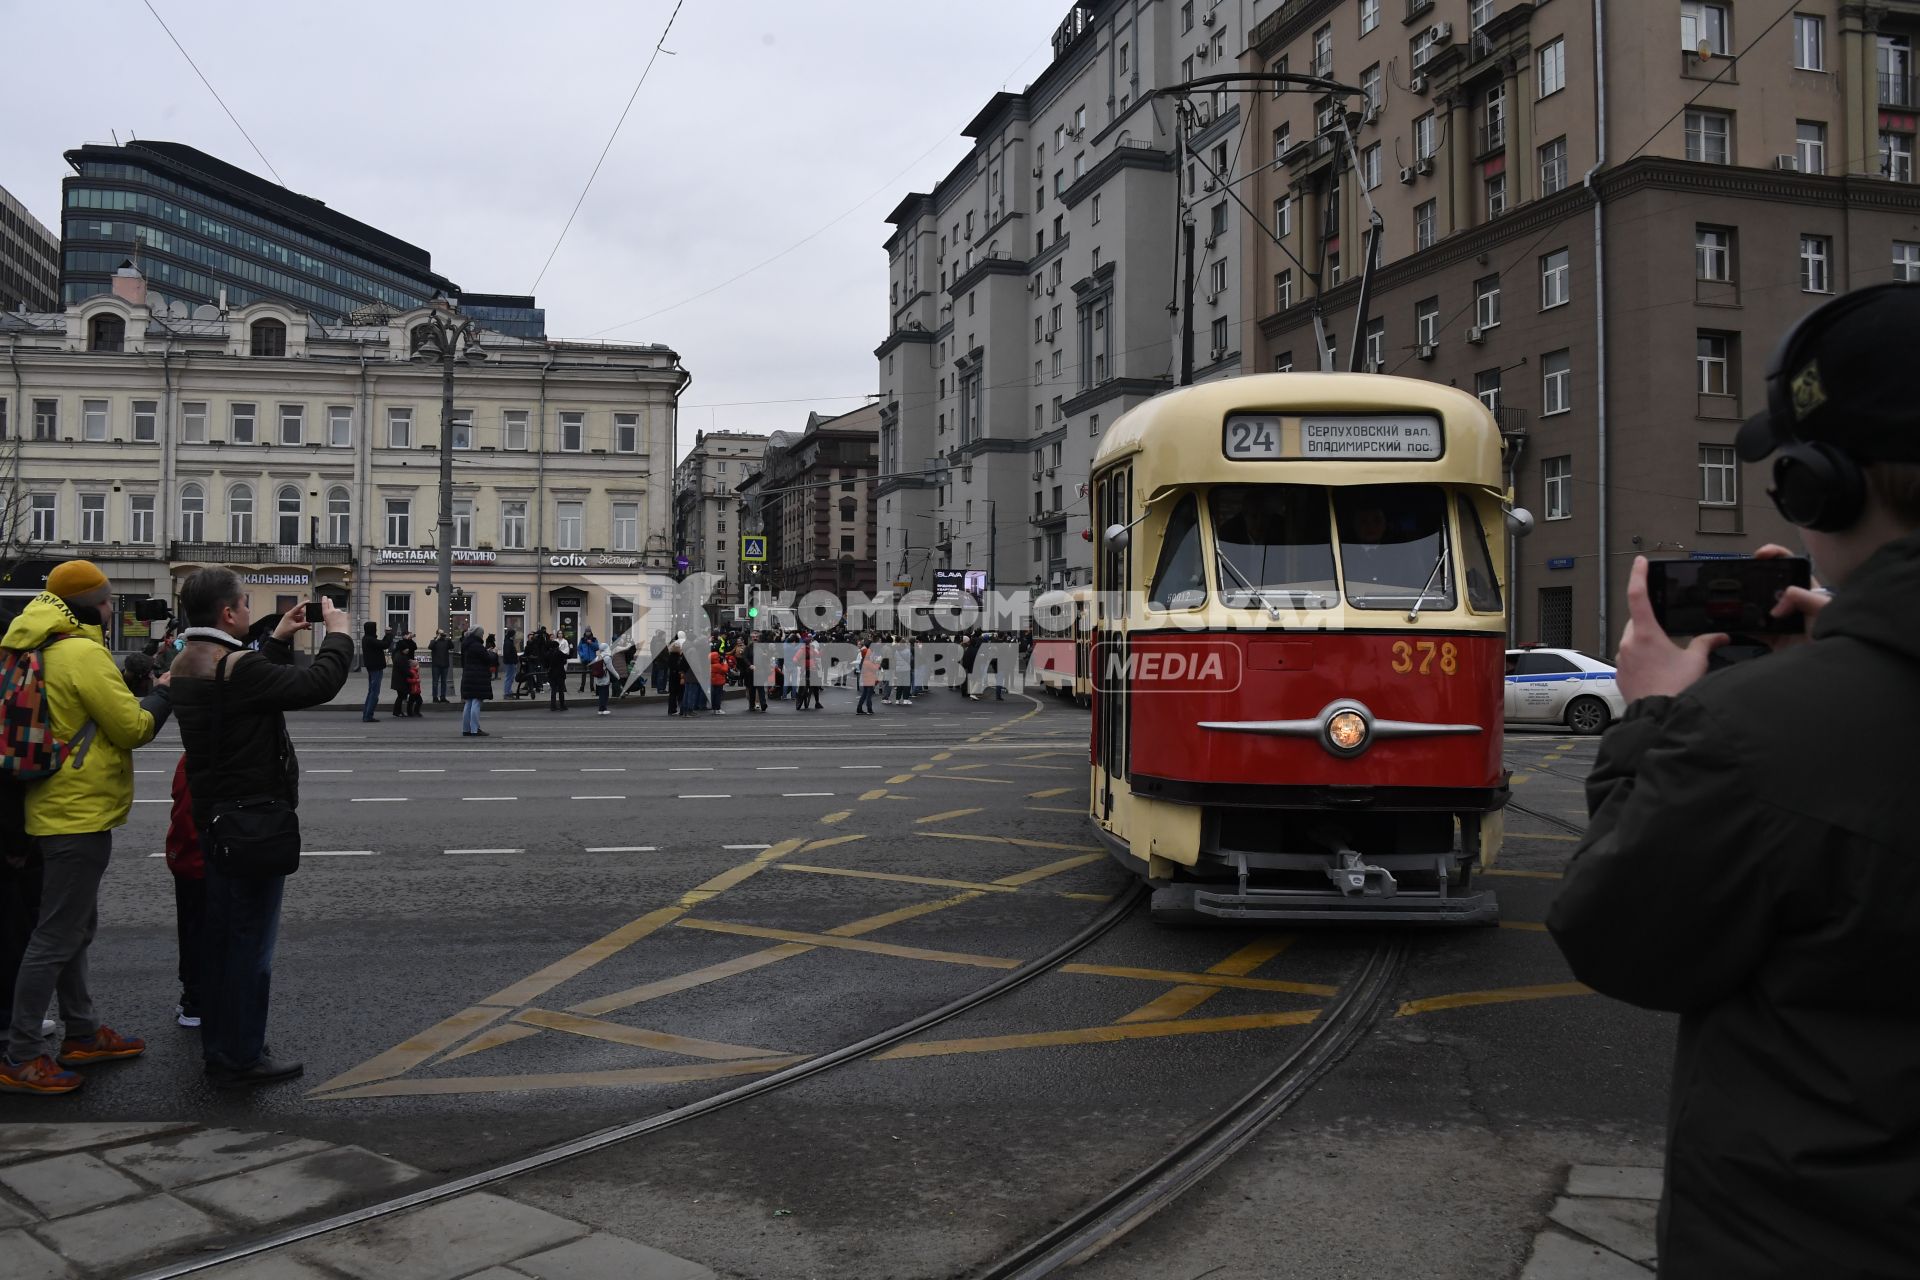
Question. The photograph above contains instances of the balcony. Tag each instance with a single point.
(1493, 136)
(261, 553)
(1898, 90)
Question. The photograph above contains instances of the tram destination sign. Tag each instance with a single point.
(1349, 437)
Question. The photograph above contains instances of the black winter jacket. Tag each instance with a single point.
(373, 653)
(251, 755)
(441, 650)
(476, 669)
(1753, 864)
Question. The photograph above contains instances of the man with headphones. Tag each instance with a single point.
(1753, 860)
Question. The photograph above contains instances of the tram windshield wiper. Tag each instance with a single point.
(1413, 615)
(1288, 596)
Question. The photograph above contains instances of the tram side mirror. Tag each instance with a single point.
(1519, 522)
(1117, 537)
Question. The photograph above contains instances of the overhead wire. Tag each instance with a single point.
(215, 92)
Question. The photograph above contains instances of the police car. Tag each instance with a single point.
(1562, 686)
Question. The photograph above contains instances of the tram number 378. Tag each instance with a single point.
(1419, 655)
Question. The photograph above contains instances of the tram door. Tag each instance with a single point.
(1111, 718)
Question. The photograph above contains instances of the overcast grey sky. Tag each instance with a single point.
(469, 129)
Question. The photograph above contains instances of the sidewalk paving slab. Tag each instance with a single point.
(442, 1241)
(300, 1186)
(13, 1216)
(1618, 1181)
(271, 1266)
(1558, 1257)
(607, 1257)
(28, 1259)
(183, 1159)
(23, 1141)
(1624, 1226)
(62, 1185)
(115, 1237)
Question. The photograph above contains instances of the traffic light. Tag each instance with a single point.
(753, 604)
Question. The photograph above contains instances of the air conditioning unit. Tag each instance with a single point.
(1052, 289)
(1425, 351)
(1209, 185)
(1039, 170)
(1211, 240)
(1791, 163)
(1423, 165)
(1441, 32)
(1372, 115)
(1053, 335)
(1208, 18)
(1033, 286)
(969, 234)
(1203, 51)
(1406, 173)
(1050, 471)
(1076, 133)
(1036, 475)
(1213, 297)
(1217, 354)
(1373, 366)
(1418, 84)
(1476, 335)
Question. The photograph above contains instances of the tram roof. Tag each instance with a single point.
(1178, 436)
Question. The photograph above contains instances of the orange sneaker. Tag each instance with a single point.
(42, 1075)
(104, 1045)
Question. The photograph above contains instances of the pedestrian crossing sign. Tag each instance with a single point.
(753, 550)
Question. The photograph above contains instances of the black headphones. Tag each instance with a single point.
(1816, 485)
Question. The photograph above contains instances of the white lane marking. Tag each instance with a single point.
(793, 795)
(777, 768)
(141, 771)
(337, 853)
(619, 770)
(697, 768)
(704, 797)
(621, 848)
(599, 797)
(746, 846)
(483, 851)
(326, 771)
(376, 799)
(423, 771)
(153, 802)
(489, 797)
(511, 771)
(863, 766)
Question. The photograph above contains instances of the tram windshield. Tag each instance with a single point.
(1273, 546)
(1393, 546)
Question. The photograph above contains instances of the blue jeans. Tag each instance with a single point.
(693, 698)
(243, 923)
(440, 682)
(511, 671)
(470, 716)
(866, 699)
(374, 677)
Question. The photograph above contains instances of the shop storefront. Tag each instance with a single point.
(132, 580)
(568, 592)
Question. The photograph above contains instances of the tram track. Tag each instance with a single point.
(602, 1139)
(1571, 828)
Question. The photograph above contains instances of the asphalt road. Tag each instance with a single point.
(497, 944)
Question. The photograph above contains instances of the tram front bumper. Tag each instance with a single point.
(1305, 906)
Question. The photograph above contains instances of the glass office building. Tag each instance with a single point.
(195, 225)
(511, 314)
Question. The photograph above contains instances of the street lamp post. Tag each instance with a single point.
(447, 340)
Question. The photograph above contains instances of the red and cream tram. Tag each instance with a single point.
(1298, 652)
(1062, 643)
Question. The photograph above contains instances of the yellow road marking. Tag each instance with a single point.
(968, 777)
(1522, 875)
(962, 768)
(1519, 778)
(899, 778)
(1183, 1000)
(921, 768)
(1048, 871)
(836, 817)
(687, 981)
(941, 755)
(828, 842)
(1089, 897)
(1527, 835)
(1020, 841)
(1048, 794)
(854, 944)
(410, 1053)
(1042, 755)
(1203, 979)
(873, 795)
(1528, 925)
(569, 1080)
(1044, 808)
(943, 816)
(898, 878)
(1503, 995)
(620, 1033)
(1104, 1035)
(1044, 768)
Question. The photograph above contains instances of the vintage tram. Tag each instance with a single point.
(1298, 648)
(1062, 644)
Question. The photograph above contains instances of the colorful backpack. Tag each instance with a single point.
(28, 749)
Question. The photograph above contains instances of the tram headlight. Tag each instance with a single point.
(1347, 732)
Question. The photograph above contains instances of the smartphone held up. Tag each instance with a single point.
(1700, 597)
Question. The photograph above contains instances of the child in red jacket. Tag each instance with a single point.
(189, 869)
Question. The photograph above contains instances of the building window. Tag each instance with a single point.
(1370, 166)
(1186, 17)
(45, 525)
(287, 510)
(1551, 67)
(399, 522)
(1376, 352)
(1283, 289)
(146, 421)
(1553, 167)
(1815, 272)
(339, 427)
(293, 424)
(460, 427)
(1496, 195)
(1126, 57)
(626, 433)
(1555, 276)
(1423, 144)
(1096, 212)
(1283, 217)
(1422, 47)
(269, 338)
(1426, 322)
(1486, 302)
(1713, 363)
(46, 419)
(1216, 277)
(241, 419)
(193, 422)
(1424, 216)
(399, 611)
(1706, 24)
(1220, 337)
(1486, 388)
(1370, 85)
(513, 429)
(571, 525)
(1369, 15)
(1708, 135)
(573, 432)
(1333, 270)
(463, 522)
(1906, 260)
(240, 513)
(400, 428)
(626, 526)
(193, 513)
(1896, 156)
(140, 508)
(1719, 476)
(1713, 253)
(339, 516)
(93, 517)
(1323, 50)
(1556, 382)
(513, 525)
(1810, 146)
(1556, 482)
(107, 333)
(93, 419)
(1809, 42)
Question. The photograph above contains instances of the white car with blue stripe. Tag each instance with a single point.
(1562, 686)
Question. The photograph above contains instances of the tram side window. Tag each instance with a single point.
(1393, 546)
(1483, 588)
(1180, 579)
(1273, 546)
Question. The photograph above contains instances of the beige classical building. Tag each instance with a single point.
(706, 521)
(1029, 291)
(156, 441)
(1599, 217)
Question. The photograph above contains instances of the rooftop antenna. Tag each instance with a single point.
(116, 136)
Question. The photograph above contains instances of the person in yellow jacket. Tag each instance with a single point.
(71, 817)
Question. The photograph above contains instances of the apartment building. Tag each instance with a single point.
(29, 259)
(157, 440)
(812, 500)
(1599, 217)
(1029, 290)
(705, 504)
